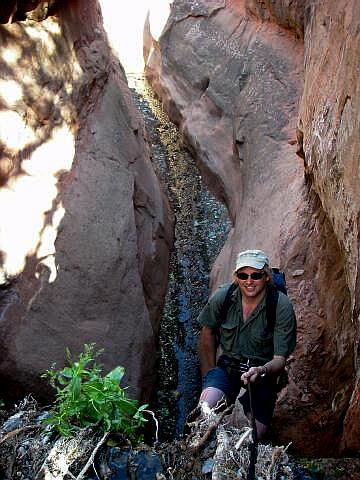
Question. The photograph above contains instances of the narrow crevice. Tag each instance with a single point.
(201, 227)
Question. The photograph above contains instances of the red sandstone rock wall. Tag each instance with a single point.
(329, 125)
(231, 74)
(85, 228)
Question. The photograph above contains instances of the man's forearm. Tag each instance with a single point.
(275, 365)
(207, 349)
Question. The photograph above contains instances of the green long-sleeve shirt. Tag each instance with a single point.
(251, 338)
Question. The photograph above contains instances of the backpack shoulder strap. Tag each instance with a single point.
(227, 301)
(272, 298)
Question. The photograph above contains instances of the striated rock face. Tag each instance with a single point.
(329, 125)
(231, 74)
(85, 229)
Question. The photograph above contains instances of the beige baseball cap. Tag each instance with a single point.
(251, 258)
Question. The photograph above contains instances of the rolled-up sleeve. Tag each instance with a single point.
(285, 327)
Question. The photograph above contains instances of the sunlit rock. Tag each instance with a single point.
(83, 218)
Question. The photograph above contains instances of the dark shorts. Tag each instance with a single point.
(263, 392)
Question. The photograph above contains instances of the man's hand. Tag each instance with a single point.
(253, 374)
(270, 368)
(207, 349)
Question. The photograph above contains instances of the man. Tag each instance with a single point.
(246, 338)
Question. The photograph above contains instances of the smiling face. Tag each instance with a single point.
(253, 287)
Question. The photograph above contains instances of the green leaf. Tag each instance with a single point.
(75, 387)
(67, 372)
(117, 374)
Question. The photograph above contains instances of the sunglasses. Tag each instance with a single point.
(253, 276)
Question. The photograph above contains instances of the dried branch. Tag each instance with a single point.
(212, 426)
(92, 456)
(243, 437)
(13, 433)
(220, 455)
(276, 456)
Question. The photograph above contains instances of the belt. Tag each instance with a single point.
(232, 365)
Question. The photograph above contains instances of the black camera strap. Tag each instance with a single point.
(253, 447)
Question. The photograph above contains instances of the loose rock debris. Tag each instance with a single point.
(217, 447)
(214, 448)
(30, 450)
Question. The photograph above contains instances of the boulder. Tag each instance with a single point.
(85, 227)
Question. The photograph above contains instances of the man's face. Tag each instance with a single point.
(252, 287)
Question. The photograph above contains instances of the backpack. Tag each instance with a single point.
(272, 296)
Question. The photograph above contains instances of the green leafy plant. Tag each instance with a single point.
(86, 398)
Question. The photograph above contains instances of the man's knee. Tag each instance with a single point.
(212, 396)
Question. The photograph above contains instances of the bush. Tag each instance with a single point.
(85, 398)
